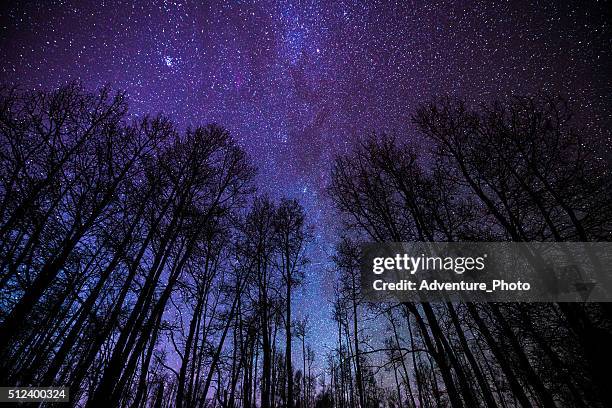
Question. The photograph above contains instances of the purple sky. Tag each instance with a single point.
(298, 82)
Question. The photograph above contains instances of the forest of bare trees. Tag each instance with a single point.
(519, 171)
(141, 267)
(138, 265)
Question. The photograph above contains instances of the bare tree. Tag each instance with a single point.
(291, 238)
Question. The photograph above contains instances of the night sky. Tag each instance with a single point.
(299, 82)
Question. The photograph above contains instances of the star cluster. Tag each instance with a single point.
(297, 83)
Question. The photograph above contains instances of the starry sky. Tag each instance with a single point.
(298, 82)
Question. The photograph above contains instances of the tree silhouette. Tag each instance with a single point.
(513, 171)
(125, 241)
(140, 266)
